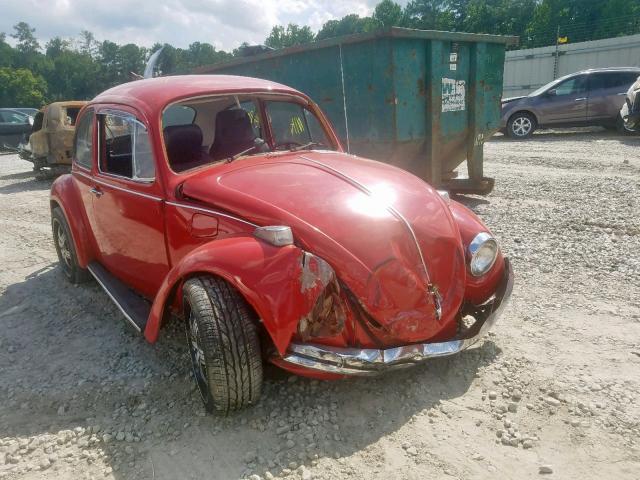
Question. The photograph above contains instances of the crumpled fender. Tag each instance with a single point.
(66, 196)
(270, 279)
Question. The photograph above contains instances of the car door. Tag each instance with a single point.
(128, 216)
(607, 93)
(566, 103)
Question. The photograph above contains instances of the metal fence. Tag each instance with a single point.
(526, 70)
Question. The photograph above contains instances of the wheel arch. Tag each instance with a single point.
(66, 198)
(527, 111)
(267, 277)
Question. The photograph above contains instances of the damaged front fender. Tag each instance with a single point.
(286, 286)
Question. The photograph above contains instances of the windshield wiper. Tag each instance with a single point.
(306, 145)
(258, 143)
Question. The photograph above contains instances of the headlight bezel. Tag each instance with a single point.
(481, 241)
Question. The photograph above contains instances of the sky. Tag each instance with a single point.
(223, 23)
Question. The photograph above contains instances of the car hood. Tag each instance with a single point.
(372, 222)
(512, 99)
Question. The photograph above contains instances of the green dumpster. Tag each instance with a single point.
(422, 100)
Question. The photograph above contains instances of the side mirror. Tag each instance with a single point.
(552, 92)
(260, 145)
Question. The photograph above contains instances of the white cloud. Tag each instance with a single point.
(223, 23)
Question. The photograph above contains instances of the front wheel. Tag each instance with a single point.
(521, 125)
(224, 345)
(622, 128)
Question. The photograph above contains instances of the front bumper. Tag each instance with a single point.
(370, 361)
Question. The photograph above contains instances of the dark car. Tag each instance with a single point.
(15, 127)
(588, 98)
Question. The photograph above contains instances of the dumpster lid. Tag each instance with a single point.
(393, 32)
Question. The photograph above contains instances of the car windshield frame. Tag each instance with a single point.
(260, 99)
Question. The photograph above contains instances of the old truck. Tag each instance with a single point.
(424, 101)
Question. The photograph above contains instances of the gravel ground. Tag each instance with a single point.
(553, 391)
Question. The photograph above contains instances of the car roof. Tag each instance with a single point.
(153, 94)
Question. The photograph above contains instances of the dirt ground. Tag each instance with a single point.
(555, 388)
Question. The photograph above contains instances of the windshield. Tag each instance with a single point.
(224, 128)
(549, 85)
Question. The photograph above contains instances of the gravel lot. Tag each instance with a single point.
(553, 392)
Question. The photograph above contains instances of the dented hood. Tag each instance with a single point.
(378, 227)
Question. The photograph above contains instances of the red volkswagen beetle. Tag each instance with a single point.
(229, 202)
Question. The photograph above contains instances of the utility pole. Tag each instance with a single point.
(555, 61)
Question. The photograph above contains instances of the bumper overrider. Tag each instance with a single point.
(370, 361)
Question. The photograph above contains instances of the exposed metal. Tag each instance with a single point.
(369, 361)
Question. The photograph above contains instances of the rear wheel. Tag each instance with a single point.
(66, 249)
(521, 125)
(223, 343)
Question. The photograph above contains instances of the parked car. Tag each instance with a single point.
(587, 98)
(15, 128)
(630, 111)
(229, 202)
(29, 111)
(51, 140)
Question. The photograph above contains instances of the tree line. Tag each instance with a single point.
(32, 74)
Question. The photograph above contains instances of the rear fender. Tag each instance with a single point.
(66, 196)
(273, 280)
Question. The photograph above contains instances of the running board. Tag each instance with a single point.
(135, 308)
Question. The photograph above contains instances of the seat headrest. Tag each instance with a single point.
(182, 142)
(233, 126)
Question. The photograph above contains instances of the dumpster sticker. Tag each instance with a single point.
(453, 95)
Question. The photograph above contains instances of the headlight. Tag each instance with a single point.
(483, 251)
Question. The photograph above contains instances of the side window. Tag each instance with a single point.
(178, 115)
(83, 145)
(572, 86)
(126, 149)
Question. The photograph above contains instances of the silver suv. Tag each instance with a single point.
(590, 97)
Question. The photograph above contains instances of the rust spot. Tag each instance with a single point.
(422, 90)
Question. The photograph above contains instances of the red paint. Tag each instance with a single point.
(152, 237)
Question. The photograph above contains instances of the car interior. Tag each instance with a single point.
(214, 129)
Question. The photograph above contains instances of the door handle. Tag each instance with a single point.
(623, 93)
(581, 99)
(97, 192)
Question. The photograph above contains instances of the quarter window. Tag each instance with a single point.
(84, 140)
(126, 149)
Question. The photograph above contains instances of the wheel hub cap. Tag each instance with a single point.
(521, 126)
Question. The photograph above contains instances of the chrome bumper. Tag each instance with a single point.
(370, 361)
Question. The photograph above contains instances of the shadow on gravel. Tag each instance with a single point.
(18, 176)
(68, 361)
(28, 186)
(585, 135)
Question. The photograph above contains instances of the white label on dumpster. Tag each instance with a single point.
(453, 93)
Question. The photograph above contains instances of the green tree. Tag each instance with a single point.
(347, 25)
(281, 37)
(429, 15)
(388, 14)
(21, 87)
(27, 44)
(6, 52)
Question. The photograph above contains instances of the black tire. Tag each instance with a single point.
(223, 343)
(622, 128)
(66, 249)
(521, 125)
